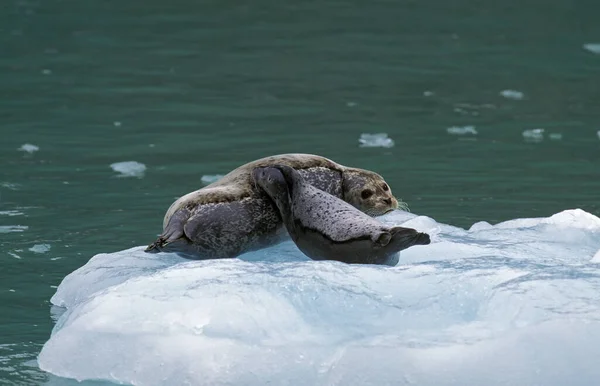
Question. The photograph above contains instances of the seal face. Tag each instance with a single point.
(234, 216)
(327, 228)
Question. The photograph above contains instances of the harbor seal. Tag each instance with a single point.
(324, 227)
(233, 216)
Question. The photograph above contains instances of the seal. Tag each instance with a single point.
(324, 227)
(233, 215)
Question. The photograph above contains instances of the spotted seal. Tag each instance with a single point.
(232, 215)
(327, 228)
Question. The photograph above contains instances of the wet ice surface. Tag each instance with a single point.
(129, 169)
(375, 140)
(512, 303)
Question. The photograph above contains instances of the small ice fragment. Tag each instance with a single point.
(428, 93)
(12, 228)
(351, 104)
(534, 135)
(29, 148)
(46, 71)
(209, 179)
(555, 136)
(598, 134)
(151, 145)
(512, 94)
(129, 169)
(375, 140)
(117, 123)
(592, 47)
(458, 130)
(14, 255)
(11, 290)
(9, 185)
(10, 213)
(40, 248)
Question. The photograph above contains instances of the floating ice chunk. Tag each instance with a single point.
(464, 130)
(29, 148)
(351, 104)
(46, 71)
(209, 179)
(375, 140)
(592, 47)
(428, 93)
(129, 169)
(40, 248)
(117, 123)
(9, 185)
(555, 136)
(10, 213)
(14, 255)
(512, 94)
(598, 134)
(512, 303)
(534, 135)
(12, 228)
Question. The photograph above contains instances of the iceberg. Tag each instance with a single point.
(512, 303)
(129, 169)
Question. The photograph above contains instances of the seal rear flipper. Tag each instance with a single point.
(172, 232)
(403, 238)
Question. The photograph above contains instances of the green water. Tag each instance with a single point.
(199, 88)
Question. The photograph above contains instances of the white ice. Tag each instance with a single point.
(512, 94)
(13, 228)
(592, 47)
(209, 179)
(29, 148)
(462, 130)
(598, 134)
(516, 303)
(40, 248)
(534, 135)
(129, 169)
(375, 140)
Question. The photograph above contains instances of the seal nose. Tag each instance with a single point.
(388, 201)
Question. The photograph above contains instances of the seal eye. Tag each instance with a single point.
(366, 194)
(385, 187)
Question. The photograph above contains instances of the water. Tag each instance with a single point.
(194, 89)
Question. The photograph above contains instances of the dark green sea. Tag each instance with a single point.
(193, 89)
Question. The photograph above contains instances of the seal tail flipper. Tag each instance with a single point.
(172, 232)
(403, 238)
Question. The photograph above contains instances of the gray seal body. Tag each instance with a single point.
(327, 228)
(233, 216)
